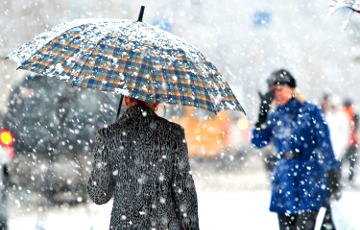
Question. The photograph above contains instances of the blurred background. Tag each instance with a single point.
(245, 39)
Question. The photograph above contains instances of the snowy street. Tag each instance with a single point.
(98, 89)
(241, 210)
(228, 199)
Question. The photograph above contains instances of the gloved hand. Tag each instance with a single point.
(333, 184)
(265, 103)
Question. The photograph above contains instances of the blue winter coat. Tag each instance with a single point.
(299, 184)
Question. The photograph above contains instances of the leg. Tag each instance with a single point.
(328, 223)
(306, 221)
(286, 222)
(346, 158)
(352, 162)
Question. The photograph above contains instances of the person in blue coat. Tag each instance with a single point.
(306, 174)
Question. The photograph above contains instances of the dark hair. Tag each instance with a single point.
(347, 102)
(281, 77)
(139, 102)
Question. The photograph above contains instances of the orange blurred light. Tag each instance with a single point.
(6, 138)
(243, 123)
(225, 125)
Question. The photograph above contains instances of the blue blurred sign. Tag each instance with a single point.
(163, 23)
(345, 10)
(261, 18)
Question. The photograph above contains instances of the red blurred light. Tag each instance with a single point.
(6, 138)
(243, 123)
(9, 151)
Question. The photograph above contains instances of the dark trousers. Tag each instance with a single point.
(328, 223)
(305, 221)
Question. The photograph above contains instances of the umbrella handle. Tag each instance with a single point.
(141, 13)
(119, 109)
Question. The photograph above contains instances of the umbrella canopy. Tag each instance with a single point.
(130, 58)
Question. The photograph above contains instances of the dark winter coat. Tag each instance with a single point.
(142, 161)
(299, 184)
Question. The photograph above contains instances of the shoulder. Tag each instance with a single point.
(111, 129)
(310, 108)
(178, 129)
(310, 105)
(311, 111)
(104, 133)
(173, 128)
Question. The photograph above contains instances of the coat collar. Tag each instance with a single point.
(139, 110)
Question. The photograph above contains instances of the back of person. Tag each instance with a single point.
(144, 162)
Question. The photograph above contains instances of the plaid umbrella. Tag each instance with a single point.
(130, 58)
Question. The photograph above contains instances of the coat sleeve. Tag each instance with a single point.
(323, 141)
(183, 186)
(261, 138)
(101, 183)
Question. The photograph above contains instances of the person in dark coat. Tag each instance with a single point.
(306, 174)
(142, 161)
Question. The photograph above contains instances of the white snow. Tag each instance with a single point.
(228, 199)
(235, 210)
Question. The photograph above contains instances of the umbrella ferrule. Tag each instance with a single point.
(141, 14)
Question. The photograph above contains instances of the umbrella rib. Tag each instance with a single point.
(214, 109)
(92, 51)
(86, 61)
(29, 55)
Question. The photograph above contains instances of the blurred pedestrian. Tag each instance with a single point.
(4, 186)
(337, 120)
(325, 104)
(351, 153)
(306, 174)
(142, 161)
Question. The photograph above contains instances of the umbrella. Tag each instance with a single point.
(129, 58)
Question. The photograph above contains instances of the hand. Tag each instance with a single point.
(265, 102)
(333, 184)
